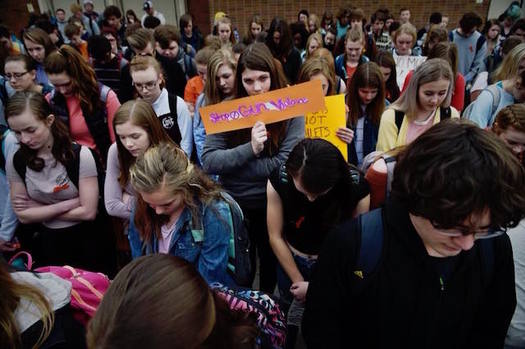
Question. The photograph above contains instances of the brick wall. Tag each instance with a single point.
(241, 10)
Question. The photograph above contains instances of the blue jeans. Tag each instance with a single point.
(305, 266)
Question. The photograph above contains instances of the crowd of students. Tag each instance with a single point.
(416, 239)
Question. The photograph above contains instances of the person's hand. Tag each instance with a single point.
(259, 136)
(345, 134)
(22, 202)
(298, 289)
(8, 246)
(71, 203)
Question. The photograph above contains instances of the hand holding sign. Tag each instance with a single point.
(259, 136)
(269, 107)
(404, 64)
(345, 134)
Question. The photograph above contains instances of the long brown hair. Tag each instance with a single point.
(366, 75)
(161, 301)
(386, 60)
(39, 36)
(212, 91)
(37, 104)
(83, 79)
(257, 56)
(166, 167)
(12, 292)
(141, 114)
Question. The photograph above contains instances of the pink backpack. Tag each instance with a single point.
(87, 290)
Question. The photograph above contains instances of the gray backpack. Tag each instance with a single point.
(390, 161)
(495, 92)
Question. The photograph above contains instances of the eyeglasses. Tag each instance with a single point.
(488, 233)
(150, 85)
(15, 76)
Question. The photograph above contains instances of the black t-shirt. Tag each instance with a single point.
(306, 223)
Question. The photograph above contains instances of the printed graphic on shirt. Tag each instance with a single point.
(62, 183)
(168, 122)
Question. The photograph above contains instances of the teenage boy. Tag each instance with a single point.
(113, 18)
(404, 15)
(167, 39)
(433, 268)
(74, 34)
(377, 24)
(142, 43)
(472, 46)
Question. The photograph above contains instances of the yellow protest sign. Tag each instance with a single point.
(324, 123)
(273, 106)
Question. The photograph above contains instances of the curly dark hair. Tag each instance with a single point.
(457, 169)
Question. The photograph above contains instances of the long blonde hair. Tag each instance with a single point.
(429, 71)
(12, 292)
(510, 65)
(166, 167)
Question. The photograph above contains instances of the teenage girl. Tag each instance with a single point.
(220, 81)
(137, 128)
(245, 158)
(419, 107)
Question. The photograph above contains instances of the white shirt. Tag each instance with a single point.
(157, 14)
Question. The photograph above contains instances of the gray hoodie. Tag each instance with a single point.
(243, 174)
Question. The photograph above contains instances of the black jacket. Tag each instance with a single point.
(403, 303)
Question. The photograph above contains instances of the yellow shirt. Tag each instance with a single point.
(390, 137)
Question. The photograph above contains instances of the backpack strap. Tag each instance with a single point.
(371, 227)
(451, 36)
(169, 121)
(19, 163)
(496, 98)
(399, 116)
(4, 96)
(390, 165)
(73, 167)
(104, 91)
(444, 113)
(479, 43)
(4, 130)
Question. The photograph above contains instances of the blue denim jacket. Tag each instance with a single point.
(209, 256)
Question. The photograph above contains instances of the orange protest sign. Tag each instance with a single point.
(273, 106)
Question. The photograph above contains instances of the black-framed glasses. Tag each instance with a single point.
(16, 76)
(458, 231)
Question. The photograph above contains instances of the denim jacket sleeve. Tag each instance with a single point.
(199, 133)
(135, 243)
(213, 259)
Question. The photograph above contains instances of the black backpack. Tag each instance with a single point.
(4, 130)
(444, 113)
